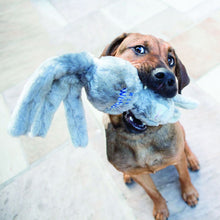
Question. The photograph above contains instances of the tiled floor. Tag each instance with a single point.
(12, 156)
(210, 82)
(34, 30)
(201, 54)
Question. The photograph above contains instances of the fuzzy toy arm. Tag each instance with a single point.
(34, 98)
(76, 118)
(43, 94)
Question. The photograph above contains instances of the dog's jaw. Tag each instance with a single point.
(133, 124)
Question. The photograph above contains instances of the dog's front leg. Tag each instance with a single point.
(160, 211)
(193, 163)
(189, 193)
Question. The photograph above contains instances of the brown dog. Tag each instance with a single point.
(137, 149)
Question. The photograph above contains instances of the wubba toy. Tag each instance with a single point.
(112, 86)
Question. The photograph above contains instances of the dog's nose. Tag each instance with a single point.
(164, 76)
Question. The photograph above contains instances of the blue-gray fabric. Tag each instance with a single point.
(112, 86)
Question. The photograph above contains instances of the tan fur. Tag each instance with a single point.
(137, 155)
(132, 153)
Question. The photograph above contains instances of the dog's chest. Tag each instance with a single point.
(150, 151)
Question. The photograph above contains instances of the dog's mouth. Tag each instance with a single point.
(133, 124)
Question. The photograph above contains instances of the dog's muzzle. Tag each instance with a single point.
(161, 81)
(164, 82)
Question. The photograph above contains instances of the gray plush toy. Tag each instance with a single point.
(112, 86)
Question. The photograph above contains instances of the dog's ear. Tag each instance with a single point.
(110, 49)
(181, 74)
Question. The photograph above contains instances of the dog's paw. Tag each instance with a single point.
(161, 212)
(193, 162)
(190, 196)
(127, 179)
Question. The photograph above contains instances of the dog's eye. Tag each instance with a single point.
(171, 61)
(139, 49)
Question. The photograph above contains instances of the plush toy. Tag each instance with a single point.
(112, 86)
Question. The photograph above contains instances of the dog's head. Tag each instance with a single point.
(158, 66)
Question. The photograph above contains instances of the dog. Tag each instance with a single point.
(137, 149)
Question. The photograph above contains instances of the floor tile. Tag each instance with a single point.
(92, 33)
(70, 184)
(203, 10)
(210, 83)
(12, 157)
(216, 15)
(202, 125)
(130, 13)
(49, 15)
(185, 5)
(24, 43)
(167, 29)
(12, 94)
(73, 10)
(199, 48)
